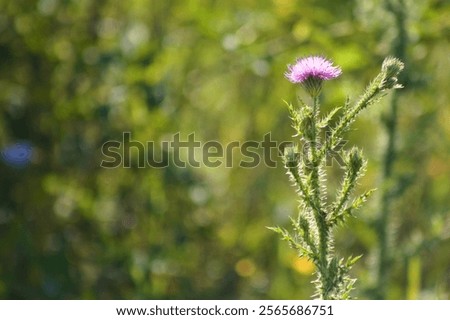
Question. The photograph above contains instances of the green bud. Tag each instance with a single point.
(291, 156)
(355, 159)
(392, 67)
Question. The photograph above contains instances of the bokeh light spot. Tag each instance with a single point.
(245, 267)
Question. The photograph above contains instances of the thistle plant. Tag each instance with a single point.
(320, 136)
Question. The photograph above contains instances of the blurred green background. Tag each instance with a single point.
(75, 74)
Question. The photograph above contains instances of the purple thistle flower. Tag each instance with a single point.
(311, 71)
(316, 67)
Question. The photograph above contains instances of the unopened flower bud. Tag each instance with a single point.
(392, 67)
(355, 160)
(291, 156)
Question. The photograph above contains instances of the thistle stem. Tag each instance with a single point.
(344, 122)
(319, 214)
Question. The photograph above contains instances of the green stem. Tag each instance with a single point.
(302, 188)
(319, 214)
(332, 142)
(347, 188)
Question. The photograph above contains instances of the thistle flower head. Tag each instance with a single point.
(315, 67)
(311, 71)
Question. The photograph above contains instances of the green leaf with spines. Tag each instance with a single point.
(325, 122)
(357, 203)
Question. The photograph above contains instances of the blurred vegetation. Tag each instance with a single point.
(75, 74)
